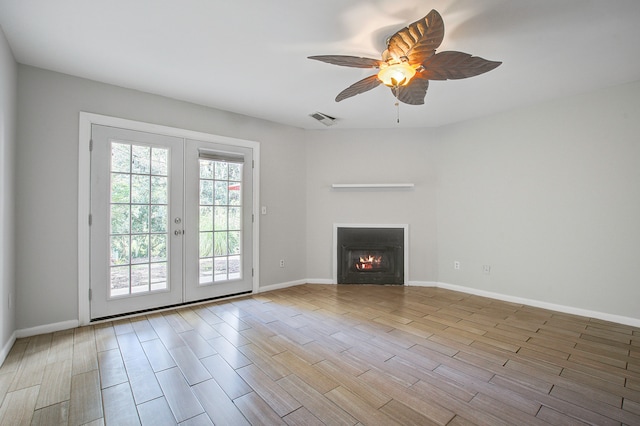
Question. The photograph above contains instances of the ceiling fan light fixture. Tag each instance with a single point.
(396, 75)
(411, 51)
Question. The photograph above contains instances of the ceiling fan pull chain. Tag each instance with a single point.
(397, 112)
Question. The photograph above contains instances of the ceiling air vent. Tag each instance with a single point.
(325, 119)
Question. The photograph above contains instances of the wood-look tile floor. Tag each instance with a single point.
(326, 354)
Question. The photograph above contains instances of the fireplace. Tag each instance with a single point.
(370, 255)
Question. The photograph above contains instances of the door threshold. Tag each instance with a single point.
(166, 308)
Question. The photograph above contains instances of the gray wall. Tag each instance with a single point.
(549, 197)
(372, 156)
(8, 107)
(47, 181)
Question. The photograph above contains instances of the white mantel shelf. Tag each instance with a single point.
(372, 185)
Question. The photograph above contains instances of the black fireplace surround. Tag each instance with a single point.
(370, 255)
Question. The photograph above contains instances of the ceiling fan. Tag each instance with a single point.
(410, 61)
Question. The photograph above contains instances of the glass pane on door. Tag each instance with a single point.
(139, 220)
(220, 224)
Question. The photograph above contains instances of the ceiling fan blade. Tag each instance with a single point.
(419, 40)
(456, 65)
(414, 92)
(348, 61)
(361, 86)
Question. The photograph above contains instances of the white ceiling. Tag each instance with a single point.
(249, 56)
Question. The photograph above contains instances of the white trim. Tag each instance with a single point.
(84, 209)
(279, 286)
(256, 216)
(7, 348)
(47, 328)
(65, 325)
(84, 180)
(634, 322)
(334, 260)
(319, 281)
(142, 126)
(422, 284)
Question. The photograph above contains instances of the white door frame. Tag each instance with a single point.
(84, 192)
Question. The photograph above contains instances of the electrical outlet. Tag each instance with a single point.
(282, 263)
(456, 264)
(486, 269)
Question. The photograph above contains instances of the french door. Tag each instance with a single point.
(170, 221)
(219, 200)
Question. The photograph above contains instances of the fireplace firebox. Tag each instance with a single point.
(370, 255)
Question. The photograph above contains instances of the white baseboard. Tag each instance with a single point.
(279, 286)
(47, 328)
(66, 325)
(319, 281)
(634, 322)
(422, 284)
(7, 347)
